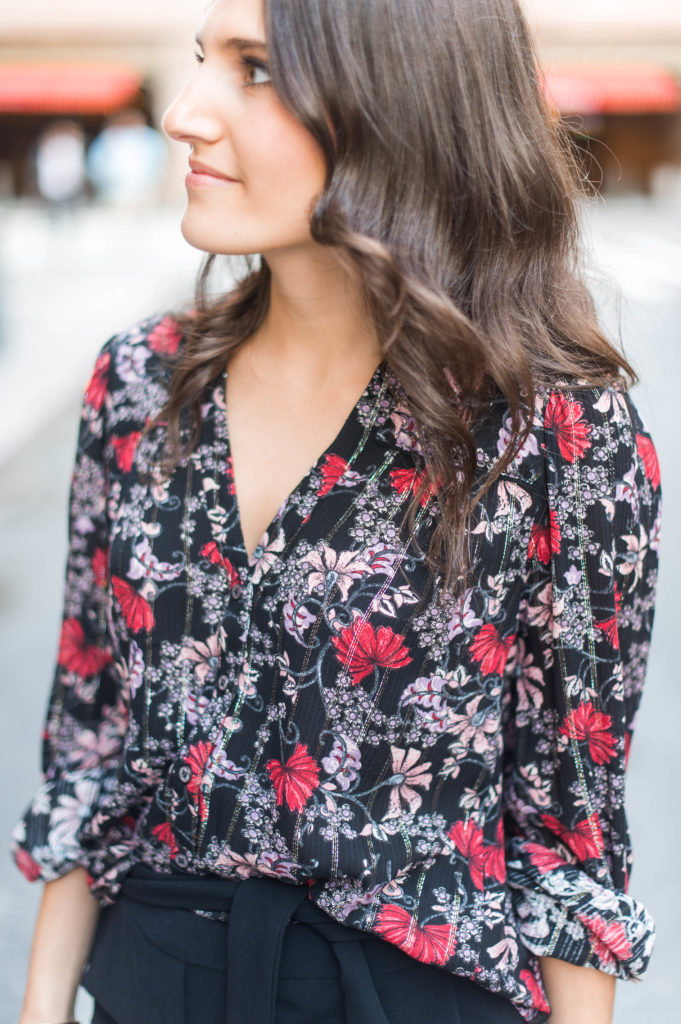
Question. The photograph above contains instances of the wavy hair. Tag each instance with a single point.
(451, 188)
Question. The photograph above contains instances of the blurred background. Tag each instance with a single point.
(91, 197)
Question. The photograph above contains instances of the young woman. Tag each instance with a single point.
(362, 563)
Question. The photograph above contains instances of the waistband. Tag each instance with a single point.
(260, 909)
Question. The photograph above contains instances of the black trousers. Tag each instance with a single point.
(277, 960)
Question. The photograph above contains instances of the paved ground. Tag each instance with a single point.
(73, 284)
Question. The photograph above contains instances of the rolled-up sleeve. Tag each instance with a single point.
(583, 642)
(86, 713)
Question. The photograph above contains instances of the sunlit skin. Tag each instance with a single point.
(235, 124)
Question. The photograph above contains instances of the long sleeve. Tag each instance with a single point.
(582, 647)
(86, 713)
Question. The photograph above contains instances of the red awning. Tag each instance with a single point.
(612, 89)
(66, 88)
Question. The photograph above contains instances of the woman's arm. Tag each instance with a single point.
(62, 938)
(577, 995)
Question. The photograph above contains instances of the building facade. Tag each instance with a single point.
(613, 68)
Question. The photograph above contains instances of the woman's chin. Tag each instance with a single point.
(203, 236)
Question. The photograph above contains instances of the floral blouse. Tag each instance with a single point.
(445, 774)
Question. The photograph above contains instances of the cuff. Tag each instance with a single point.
(564, 913)
(45, 842)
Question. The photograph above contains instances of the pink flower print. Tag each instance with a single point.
(476, 729)
(297, 619)
(334, 569)
(265, 555)
(463, 617)
(204, 656)
(343, 763)
(407, 773)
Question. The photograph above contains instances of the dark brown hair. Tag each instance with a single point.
(452, 190)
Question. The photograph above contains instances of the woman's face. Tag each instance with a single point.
(255, 170)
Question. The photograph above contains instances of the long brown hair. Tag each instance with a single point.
(451, 188)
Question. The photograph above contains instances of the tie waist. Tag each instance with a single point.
(260, 910)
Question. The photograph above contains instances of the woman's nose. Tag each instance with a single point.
(189, 117)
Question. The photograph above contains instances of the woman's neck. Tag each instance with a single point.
(317, 326)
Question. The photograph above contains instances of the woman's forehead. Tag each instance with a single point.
(226, 19)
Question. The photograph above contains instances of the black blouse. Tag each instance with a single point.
(446, 774)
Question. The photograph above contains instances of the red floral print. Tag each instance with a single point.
(484, 860)
(585, 841)
(538, 998)
(585, 723)
(100, 567)
(165, 833)
(212, 553)
(564, 417)
(197, 758)
(362, 648)
(76, 655)
(29, 868)
(125, 448)
(609, 628)
(136, 609)
(544, 858)
(495, 856)
(430, 943)
(651, 463)
(165, 337)
(407, 480)
(611, 942)
(231, 488)
(95, 392)
(467, 838)
(545, 539)
(333, 468)
(439, 745)
(491, 650)
(295, 780)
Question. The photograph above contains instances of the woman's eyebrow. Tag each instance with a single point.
(236, 43)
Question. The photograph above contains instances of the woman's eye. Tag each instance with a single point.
(256, 71)
(198, 57)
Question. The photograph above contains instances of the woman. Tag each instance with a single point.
(352, 747)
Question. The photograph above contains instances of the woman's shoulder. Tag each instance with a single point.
(133, 368)
(576, 424)
(145, 349)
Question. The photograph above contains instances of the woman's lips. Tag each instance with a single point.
(199, 179)
(201, 176)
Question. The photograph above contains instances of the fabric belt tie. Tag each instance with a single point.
(260, 909)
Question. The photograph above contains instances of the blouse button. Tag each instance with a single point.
(237, 590)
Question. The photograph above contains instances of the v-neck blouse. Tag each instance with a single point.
(348, 439)
(445, 774)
